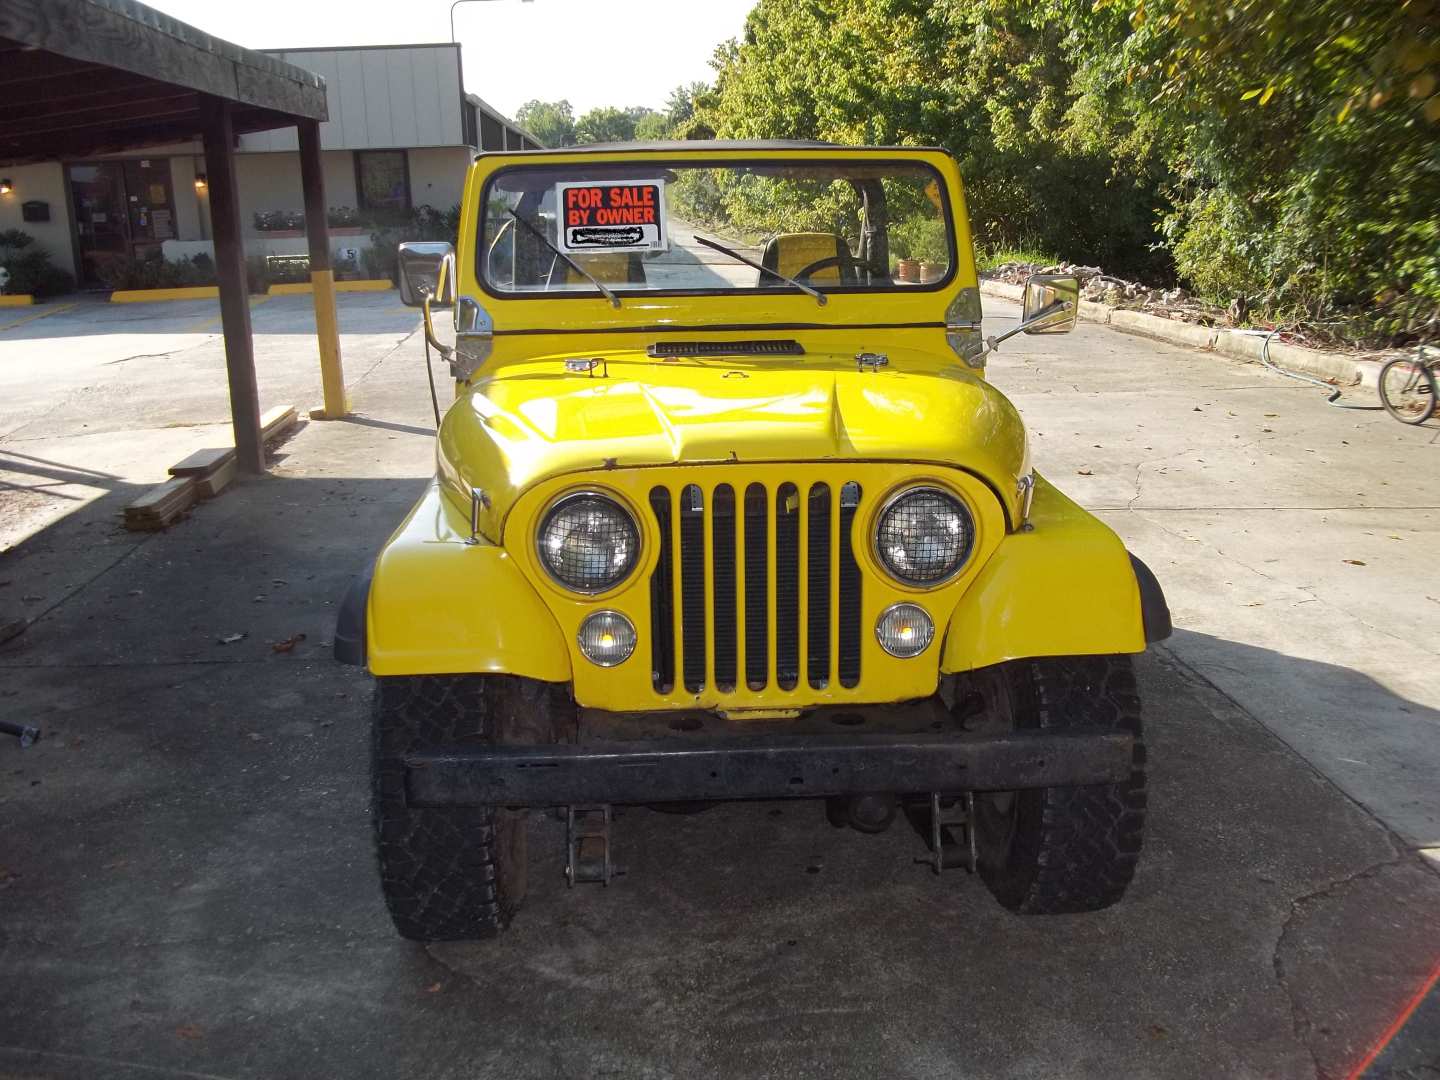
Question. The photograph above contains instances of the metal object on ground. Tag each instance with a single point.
(26, 733)
(587, 844)
(945, 851)
(761, 767)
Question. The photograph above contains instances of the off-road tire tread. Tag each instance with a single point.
(439, 868)
(1074, 848)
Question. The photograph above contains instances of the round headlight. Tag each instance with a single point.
(904, 630)
(588, 542)
(924, 536)
(607, 638)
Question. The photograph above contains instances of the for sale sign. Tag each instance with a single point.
(624, 216)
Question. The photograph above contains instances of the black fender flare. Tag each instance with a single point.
(1154, 611)
(350, 620)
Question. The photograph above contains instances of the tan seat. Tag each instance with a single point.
(790, 253)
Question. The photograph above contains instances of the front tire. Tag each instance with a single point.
(1062, 850)
(1407, 390)
(447, 873)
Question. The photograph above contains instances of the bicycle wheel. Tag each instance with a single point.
(1407, 390)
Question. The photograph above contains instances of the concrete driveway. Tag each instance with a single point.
(187, 886)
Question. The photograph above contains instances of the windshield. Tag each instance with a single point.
(653, 228)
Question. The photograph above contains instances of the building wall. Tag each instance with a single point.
(272, 182)
(437, 175)
(380, 98)
(47, 182)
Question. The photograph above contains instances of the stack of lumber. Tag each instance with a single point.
(211, 470)
(202, 475)
(161, 505)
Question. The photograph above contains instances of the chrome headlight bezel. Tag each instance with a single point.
(963, 553)
(624, 517)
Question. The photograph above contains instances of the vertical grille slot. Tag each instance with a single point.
(722, 542)
(692, 586)
(850, 585)
(662, 599)
(787, 586)
(817, 593)
(741, 600)
(757, 594)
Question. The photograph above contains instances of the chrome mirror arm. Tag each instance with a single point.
(992, 343)
(446, 352)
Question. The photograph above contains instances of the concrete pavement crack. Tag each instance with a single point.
(389, 353)
(1300, 1020)
(1306, 589)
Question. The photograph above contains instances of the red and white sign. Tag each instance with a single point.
(618, 216)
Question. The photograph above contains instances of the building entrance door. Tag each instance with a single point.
(123, 210)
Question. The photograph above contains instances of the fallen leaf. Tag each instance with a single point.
(230, 639)
(1084, 472)
(1355, 562)
(433, 988)
(288, 644)
(1272, 415)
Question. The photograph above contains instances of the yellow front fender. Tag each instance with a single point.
(439, 605)
(1067, 587)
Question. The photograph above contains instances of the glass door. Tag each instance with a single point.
(123, 210)
(102, 221)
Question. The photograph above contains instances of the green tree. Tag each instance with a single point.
(551, 122)
(607, 124)
(1284, 150)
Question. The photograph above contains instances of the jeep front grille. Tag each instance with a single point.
(733, 565)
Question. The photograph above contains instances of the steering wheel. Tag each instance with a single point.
(840, 262)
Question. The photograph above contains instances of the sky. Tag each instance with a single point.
(589, 52)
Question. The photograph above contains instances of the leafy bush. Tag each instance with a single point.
(381, 259)
(156, 273)
(920, 238)
(29, 267)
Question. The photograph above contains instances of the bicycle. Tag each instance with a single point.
(1407, 387)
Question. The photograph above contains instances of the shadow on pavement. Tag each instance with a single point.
(188, 886)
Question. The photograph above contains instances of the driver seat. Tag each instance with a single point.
(789, 253)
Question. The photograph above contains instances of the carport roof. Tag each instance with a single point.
(83, 77)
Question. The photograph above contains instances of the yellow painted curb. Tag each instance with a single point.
(17, 300)
(298, 288)
(142, 296)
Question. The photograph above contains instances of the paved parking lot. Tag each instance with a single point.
(186, 877)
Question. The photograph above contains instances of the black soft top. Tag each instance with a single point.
(693, 145)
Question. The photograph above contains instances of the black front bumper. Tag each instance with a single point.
(763, 767)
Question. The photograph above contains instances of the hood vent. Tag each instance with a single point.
(669, 350)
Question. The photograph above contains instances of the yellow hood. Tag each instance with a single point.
(533, 420)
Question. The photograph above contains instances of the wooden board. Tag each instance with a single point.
(275, 422)
(203, 462)
(161, 505)
(210, 485)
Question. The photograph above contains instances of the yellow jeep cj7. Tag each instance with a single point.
(725, 508)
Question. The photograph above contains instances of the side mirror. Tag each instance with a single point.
(427, 272)
(1052, 304)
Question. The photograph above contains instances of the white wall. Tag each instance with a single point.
(379, 98)
(437, 175)
(45, 182)
(272, 182)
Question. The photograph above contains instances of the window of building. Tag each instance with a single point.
(382, 180)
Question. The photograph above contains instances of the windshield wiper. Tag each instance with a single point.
(614, 300)
(816, 293)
